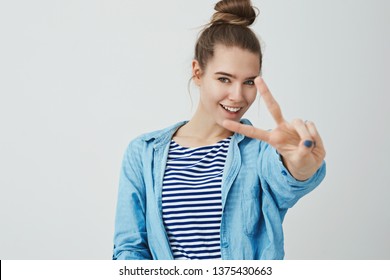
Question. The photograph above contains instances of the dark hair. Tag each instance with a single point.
(229, 26)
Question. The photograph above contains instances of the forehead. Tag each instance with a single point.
(235, 61)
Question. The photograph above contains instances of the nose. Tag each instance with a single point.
(235, 92)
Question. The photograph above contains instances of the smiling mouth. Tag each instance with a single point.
(231, 109)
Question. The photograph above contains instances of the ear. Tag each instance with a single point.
(196, 72)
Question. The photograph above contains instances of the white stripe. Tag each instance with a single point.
(199, 197)
(190, 174)
(194, 250)
(194, 160)
(194, 185)
(198, 214)
(201, 204)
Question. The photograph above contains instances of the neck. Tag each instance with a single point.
(201, 126)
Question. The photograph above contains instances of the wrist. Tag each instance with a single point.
(299, 174)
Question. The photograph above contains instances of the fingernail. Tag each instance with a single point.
(308, 143)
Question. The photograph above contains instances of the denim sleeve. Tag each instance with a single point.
(130, 237)
(284, 188)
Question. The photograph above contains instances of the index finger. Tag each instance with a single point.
(246, 130)
(270, 102)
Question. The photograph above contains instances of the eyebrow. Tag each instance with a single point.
(233, 76)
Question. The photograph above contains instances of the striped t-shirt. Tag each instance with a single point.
(192, 201)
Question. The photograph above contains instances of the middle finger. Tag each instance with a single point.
(270, 102)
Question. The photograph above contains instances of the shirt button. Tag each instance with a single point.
(284, 173)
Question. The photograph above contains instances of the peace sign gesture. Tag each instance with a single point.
(297, 142)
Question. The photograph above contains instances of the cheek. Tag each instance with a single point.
(212, 92)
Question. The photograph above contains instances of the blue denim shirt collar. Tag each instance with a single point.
(162, 137)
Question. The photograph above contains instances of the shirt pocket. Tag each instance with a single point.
(251, 210)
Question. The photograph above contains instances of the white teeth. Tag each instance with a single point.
(231, 109)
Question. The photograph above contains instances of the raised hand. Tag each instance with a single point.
(298, 142)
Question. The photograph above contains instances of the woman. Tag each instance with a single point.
(216, 187)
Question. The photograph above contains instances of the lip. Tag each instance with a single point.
(238, 108)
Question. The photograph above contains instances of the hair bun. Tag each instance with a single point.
(236, 12)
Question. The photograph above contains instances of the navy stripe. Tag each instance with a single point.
(189, 193)
(198, 252)
(204, 240)
(186, 211)
(187, 179)
(190, 234)
(192, 199)
(219, 180)
(192, 217)
(196, 246)
(186, 165)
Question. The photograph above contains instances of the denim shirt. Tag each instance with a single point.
(257, 191)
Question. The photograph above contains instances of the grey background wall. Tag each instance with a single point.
(80, 79)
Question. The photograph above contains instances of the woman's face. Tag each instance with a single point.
(227, 86)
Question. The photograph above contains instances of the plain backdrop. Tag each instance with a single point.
(80, 78)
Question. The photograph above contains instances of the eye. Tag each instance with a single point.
(250, 82)
(224, 80)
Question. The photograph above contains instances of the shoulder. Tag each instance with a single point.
(161, 133)
(157, 136)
